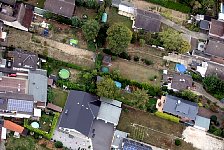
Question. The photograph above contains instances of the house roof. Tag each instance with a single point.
(148, 21)
(13, 126)
(105, 111)
(129, 144)
(79, 112)
(180, 107)
(215, 48)
(179, 81)
(217, 27)
(54, 107)
(60, 7)
(10, 2)
(101, 135)
(118, 138)
(215, 69)
(202, 122)
(27, 17)
(23, 59)
(116, 3)
(14, 85)
(38, 85)
(204, 24)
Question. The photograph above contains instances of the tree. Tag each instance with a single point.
(140, 98)
(177, 142)
(108, 3)
(90, 29)
(185, 47)
(107, 88)
(76, 22)
(119, 37)
(91, 4)
(173, 41)
(58, 144)
(213, 118)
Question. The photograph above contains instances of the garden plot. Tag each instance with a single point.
(201, 140)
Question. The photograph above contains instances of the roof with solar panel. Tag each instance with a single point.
(21, 103)
(129, 144)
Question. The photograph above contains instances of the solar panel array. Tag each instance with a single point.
(134, 145)
(20, 105)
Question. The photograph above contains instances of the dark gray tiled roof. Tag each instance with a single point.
(180, 107)
(24, 59)
(215, 69)
(61, 7)
(179, 81)
(204, 24)
(116, 3)
(148, 21)
(79, 112)
(215, 48)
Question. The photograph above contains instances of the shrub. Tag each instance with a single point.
(147, 62)
(142, 42)
(58, 144)
(136, 58)
(213, 118)
(167, 116)
(177, 142)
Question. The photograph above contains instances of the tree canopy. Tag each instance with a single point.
(119, 37)
(107, 88)
(214, 85)
(173, 41)
(90, 29)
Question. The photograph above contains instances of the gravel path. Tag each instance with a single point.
(201, 140)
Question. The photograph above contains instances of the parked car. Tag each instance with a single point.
(12, 75)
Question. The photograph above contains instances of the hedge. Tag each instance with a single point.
(167, 116)
(41, 132)
(70, 85)
(172, 5)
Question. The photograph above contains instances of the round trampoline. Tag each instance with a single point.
(35, 125)
(64, 74)
(105, 69)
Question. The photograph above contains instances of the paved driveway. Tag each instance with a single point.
(73, 141)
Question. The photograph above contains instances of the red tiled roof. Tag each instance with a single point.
(54, 107)
(13, 127)
(27, 19)
(217, 27)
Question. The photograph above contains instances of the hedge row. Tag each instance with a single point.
(172, 5)
(41, 132)
(167, 116)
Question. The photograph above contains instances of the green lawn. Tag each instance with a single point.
(45, 122)
(60, 97)
(40, 3)
(23, 143)
(114, 17)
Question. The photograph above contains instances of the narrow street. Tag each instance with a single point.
(201, 91)
(180, 28)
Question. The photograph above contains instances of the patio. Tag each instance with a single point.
(160, 103)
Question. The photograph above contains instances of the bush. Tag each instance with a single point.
(147, 62)
(125, 55)
(177, 142)
(167, 116)
(142, 42)
(136, 58)
(58, 144)
(213, 118)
